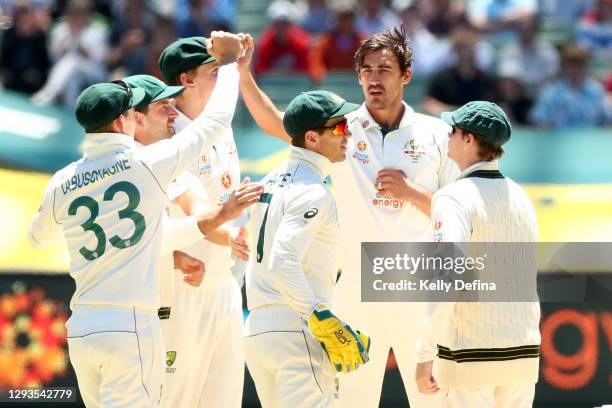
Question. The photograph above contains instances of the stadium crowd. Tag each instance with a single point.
(547, 62)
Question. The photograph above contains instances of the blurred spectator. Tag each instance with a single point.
(129, 38)
(315, 16)
(164, 34)
(563, 10)
(442, 16)
(100, 7)
(573, 100)
(375, 17)
(219, 13)
(336, 49)
(595, 29)
(608, 83)
(501, 17)
(429, 53)
(24, 60)
(78, 46)
(462, 82)
(199, 21)
(534, 63)
(283, 45)
(513, 98)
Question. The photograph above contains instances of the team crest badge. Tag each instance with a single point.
(170, 358)
(226, 180)
(362, 146)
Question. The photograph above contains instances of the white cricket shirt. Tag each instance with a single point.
(109, 206)
(218, 169)
(295, 237)
(419, 148)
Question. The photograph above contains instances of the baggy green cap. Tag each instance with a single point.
(155, 90)
(100, 104)
(485, 119)
(311, 109)
(183, 55)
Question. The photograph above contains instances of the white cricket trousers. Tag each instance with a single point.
(507, 396)
(117, 354)
(289, 367)
(204, 338)
(390, 325)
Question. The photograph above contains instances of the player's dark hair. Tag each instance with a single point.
(394, 40)
(144, 109)
(486, 150)
(177, 80)
(299, 141)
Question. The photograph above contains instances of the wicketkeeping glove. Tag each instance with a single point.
(346, 348)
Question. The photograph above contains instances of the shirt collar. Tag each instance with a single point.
(321, 164)
(483, 165)
(363, 117)
(97, 144)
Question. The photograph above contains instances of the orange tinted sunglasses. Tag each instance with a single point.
(339, 129)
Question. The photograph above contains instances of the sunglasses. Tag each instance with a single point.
(339, 129)
(128, 96)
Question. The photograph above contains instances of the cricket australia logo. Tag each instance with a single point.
(414, 150)
(360, 154)
(226, 180)
(170, 359)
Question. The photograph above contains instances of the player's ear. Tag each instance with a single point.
(406, 76)
(140, 118)
(311, 138)
(185, 80)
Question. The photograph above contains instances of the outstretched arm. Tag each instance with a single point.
(263, 110)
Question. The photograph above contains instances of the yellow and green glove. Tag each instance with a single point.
(346, 348)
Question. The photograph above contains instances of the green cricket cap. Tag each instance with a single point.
(183, 55)
(311, 109)
(485, 119)
(100, 104)
(155, 90)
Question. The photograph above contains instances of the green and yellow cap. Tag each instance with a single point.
(183, 55)
(485, 119)
(311, 109)
(100, 104)
(155, 90)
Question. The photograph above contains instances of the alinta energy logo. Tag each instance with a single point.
(387, 201)
(32, 338)
(360, 154)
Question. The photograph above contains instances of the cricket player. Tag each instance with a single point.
(396, 160)
(491, 361)
(294, 344)
(155, 118)
(108, 206)
(208, 365)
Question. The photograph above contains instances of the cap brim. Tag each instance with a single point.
(448, 118)
(138, 96)
(209, 59)
(169, 92)
(345, 109)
